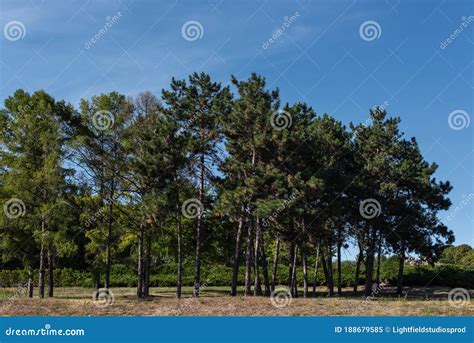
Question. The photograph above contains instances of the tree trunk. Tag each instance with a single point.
(370, 263)
(248, 260)
(315, 278)
(257, 290)
(42, 262)
(401, 264)
(263, 258)
(379, 255)
(305, 272)
(339, 271)
(180, 249)
(108, 261)
(327, 275)
(290, 266)
(30, 277)
(238, 243)
(50, 272)
(140, 263)
(197, 265)
(330, 272)
(275, 263)
(97, 283)
(360, 258)
(146, 284)
(294, 287)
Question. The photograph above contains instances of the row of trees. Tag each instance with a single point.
(210, 172)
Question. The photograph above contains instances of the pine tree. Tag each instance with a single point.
(32, 155)
(198, 107)
(100, 155)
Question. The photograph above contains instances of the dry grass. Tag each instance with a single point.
(78, 302)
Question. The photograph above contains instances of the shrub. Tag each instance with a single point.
(218, 275)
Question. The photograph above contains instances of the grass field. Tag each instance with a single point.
(215, 302)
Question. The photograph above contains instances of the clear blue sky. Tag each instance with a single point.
(320, 57)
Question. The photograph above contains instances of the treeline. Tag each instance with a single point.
(211, 174)
(163, 275)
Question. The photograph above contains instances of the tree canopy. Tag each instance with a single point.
(210, 173)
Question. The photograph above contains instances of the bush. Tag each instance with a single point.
(443, 275)
(122, 275)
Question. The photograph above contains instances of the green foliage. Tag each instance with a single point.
(218, 275)
(461, 255)
(250, 164)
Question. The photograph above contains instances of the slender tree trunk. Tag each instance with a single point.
(401, 265)
(275, 263)
(327, 274)
(330, 272)
(30, 277)
(290, 266)
(197, 265)
(370, 263)
(140, 263)
(227, 248)
(42, 264)
(238, 243)
(339, 269)
(108, 261)
(180, 249)
(305, 272)
(263, 258)
(50, 272)
(257, 284)
(315, 278)
(294, 287)
(146, 288)
(379, 258)
(360, 258)
(248, 260)
(97, 281)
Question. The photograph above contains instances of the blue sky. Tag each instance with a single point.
(322, 57)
